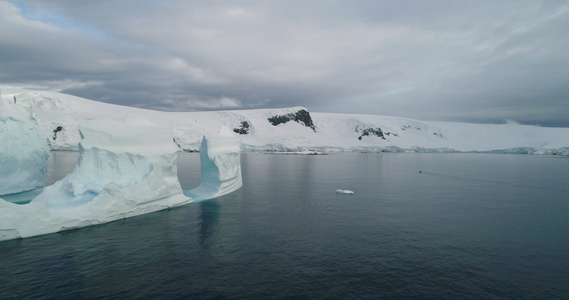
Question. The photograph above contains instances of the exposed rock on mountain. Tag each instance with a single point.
(302, 117)
(369, 132)
(244, 129)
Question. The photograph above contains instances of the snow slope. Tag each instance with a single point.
(326, 132)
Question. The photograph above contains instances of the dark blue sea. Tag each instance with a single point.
(418, 226)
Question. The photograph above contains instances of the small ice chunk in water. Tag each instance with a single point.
(344, 192)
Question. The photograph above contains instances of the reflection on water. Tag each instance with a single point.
(220, 226)
(209, 218)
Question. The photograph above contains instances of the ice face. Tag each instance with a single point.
(125, 168)
(23, 150)
(220, 167)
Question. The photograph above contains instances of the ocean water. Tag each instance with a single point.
(418, 226)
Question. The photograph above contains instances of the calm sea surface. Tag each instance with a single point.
(468, 226)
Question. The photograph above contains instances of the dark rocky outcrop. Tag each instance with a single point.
(302, 117)
(55, 131)
(369, 132)
(244, 129)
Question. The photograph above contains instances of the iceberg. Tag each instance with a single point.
(23, 149)
(220, 158)
(125, 168)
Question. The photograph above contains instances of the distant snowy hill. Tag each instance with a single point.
(295, 129)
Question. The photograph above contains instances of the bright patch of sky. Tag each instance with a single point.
(60, 21)
(34, 14)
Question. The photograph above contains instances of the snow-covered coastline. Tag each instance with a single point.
(297, 130)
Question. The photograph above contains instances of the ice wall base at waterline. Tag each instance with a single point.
(125, 168)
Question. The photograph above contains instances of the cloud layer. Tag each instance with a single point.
(471, 61)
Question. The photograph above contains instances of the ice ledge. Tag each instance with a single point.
(134, 134)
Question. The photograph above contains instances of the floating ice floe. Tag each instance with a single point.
(344, 192)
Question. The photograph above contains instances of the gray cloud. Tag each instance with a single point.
(446, 60)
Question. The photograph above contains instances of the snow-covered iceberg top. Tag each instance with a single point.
(23, 149)
(125, 168)
(134, 135)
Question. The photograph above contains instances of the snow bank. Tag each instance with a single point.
(125, 168)
(220, 166)
(23, 149)
(295, 130)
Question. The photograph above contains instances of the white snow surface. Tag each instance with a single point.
(23, 149)
(125, 168)
(334, 132)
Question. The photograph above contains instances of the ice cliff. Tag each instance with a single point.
(220, 166)
(125, 168)
(133, 160)
(23, 149)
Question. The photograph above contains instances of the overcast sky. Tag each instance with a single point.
(473, 61)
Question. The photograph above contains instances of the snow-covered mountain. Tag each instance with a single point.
(295, 129)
